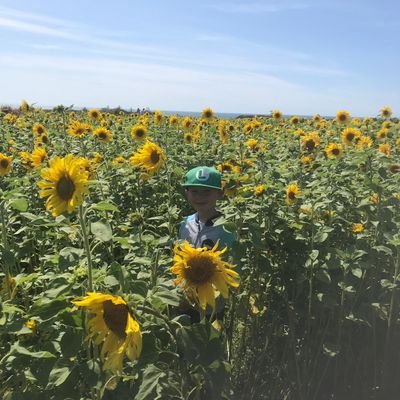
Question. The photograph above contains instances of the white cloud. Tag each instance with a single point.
(258, 7)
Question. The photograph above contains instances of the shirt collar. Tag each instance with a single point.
(210, 221)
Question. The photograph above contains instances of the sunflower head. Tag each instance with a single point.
(357, 228)
(386, 112)
(188, 138)
(39, 156)
(350, 136)
(201, 272)
(294, 120)
(342, 117)
(187, 123)
(102, 134)
(259, 190)
(158, 117)
(384, 148)
(291, 192)
(277, 115)
(364, 141)
(334, 150)
(64, 184)
(173, 120)
(208, 114)
(38, 129)
(113, 326)
(311, 141)
(150, 158)
(139, 132)
(78, 129)
(95, 114)
(5, 164)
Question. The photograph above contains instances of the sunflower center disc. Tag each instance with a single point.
(139, 133)
(310, 144)
(200, 270)
(155, 157)
(115, 316)
(65, 188)
(4, 164)
(291, 195)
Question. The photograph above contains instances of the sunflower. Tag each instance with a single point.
(291, 192)
(158, 117)
(316, 118)
(113, 325)
(333, 150)
(149, 158)
(103, 134)
(208, 114)
(39, 156)
(7, 287)
(188, 138)
(97, 158)
(64, 184)
(364, 141)
(78, 129)
(228, 167)
(44, 139)
(187, 123)
(38, 129)
(26, 159)
(139, 132)
(277, 115)
(374, 198)
(384, 148)
(311, 141)
(248, 128)
(173, 120)
(357, 228)
(95, 114)
(386, 112)
(259, 190)
(223, 132)
(201, 271)
(119, 160)
(387, 124)
(350, 136)
(342, 117)
(294, 120)
(5, 164)
(24, 107)
(382, 133)
(88, 166)
(306, 160)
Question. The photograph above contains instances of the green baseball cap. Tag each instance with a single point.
(203, 177)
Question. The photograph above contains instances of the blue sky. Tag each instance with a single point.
(302, 57)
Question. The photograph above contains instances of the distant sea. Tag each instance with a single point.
(222, 115)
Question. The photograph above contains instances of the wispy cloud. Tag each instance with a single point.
(258, 7)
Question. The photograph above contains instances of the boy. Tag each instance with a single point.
(203, 189)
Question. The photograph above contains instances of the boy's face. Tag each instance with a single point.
(203, 198)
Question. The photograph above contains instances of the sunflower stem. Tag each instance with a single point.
(87, 247)
(5, 246)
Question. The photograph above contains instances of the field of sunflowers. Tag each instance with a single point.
(93, 275)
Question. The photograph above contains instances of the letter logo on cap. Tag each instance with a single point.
(203, 175)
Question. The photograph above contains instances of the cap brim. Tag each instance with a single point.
(200, 185)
